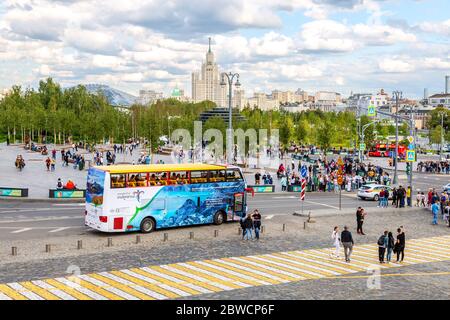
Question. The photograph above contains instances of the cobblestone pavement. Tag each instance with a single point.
(215, 276)
(125, 254)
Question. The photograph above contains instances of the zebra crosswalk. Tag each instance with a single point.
(183, 279)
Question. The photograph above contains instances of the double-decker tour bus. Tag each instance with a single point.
(147, 197)
(386, 150)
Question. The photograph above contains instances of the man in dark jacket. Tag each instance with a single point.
(347, 243)
(359, 220)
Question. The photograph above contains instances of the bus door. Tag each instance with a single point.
(238, 208)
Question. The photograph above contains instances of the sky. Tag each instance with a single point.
(335, 45)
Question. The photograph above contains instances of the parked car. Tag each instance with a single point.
(372, 191)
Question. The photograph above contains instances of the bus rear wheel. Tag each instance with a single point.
(219, 217)
(147, 225)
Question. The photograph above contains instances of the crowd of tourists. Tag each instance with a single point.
(434, 166)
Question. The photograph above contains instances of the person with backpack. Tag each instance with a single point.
(256, 222)
(382, 245)
(390, 247)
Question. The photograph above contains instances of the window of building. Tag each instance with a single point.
(117, 180)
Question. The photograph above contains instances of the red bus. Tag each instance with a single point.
(386, 150)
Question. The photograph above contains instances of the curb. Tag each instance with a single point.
(42, 200)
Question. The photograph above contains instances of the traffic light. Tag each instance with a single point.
(408, 168)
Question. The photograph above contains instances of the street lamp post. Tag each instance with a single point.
(230, 77)
(397, 95)
(442, 114)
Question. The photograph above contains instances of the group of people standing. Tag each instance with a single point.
(388, 245)
(252, 222)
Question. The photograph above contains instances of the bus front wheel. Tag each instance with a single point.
(219, 217)
(147, 225)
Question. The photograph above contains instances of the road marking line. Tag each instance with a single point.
(83, 290)
(270, 216)
(231, 273)
(328, 260)
(133, 285)
(272, 273)
(4, 297)
(126, 288)
(13, 294)
(59, 229)
(170, 281)
(321, 204)
(315, 262)
(21, 230)
(61, 294)
(105, 286)
(203, 278)
(306, 269)
(23, 291)
(287, 267)
(264, 278)
(214, 275)
(39, 291)
(188, 279)
(161, 288)
(288, 274)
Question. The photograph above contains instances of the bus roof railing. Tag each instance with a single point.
(141, 168)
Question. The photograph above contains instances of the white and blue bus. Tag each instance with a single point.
(148, 197)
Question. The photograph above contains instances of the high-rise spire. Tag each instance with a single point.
(209, 40)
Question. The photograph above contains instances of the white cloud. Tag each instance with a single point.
(398, 65)
(442, 28)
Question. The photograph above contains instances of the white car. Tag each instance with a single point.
(372, 191)
(446, 188)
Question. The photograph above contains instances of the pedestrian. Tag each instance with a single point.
(382, 245)
(400, 244)
(257, 177)
(408, 196)
(435, 208)
(248, 225)
(394, 197)
(347, 242)
(283, 182)
(336, 241)
(47, 163)
(256, 222)
(360, 214)
(52, 164)
(59, 184)
(390, 247)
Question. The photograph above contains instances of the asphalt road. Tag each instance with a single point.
(37, 220)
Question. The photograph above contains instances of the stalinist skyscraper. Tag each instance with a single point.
(206, 83)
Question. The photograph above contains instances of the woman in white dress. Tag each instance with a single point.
(336, 241)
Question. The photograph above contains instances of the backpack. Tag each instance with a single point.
(380, 241)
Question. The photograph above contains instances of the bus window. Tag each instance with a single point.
(199, 176)
(217, 175)
(179, 177)
(141, 179)
(234, 175)
(117, 181)
(158, 179)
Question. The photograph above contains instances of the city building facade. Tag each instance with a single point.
(206, 83)
(147, 97)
